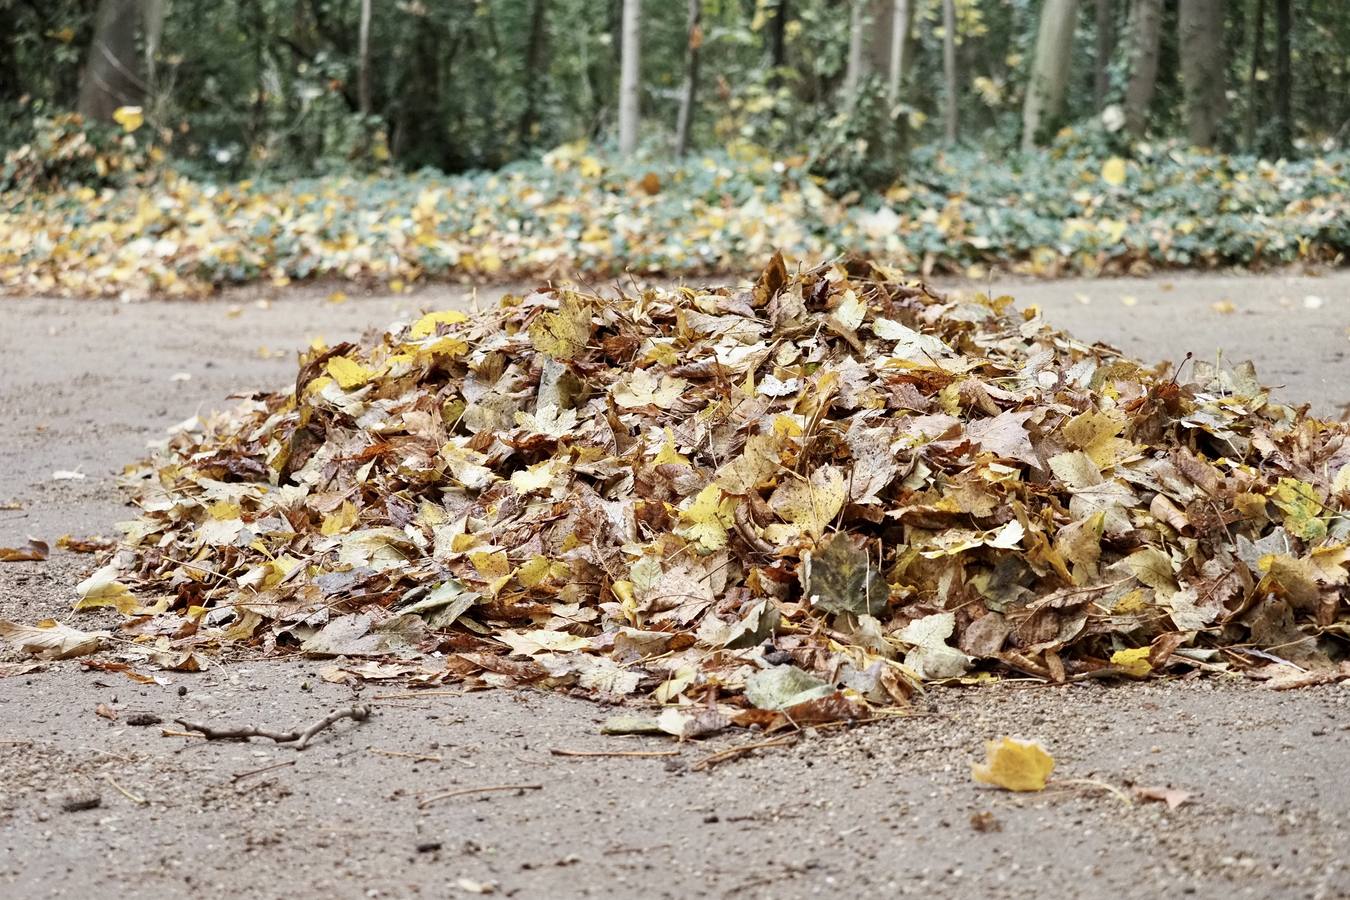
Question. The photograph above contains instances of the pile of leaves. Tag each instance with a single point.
(576, 211)
(793, 502)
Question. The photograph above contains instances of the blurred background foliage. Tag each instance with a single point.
(232, 88)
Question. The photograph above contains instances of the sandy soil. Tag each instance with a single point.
(879, 811)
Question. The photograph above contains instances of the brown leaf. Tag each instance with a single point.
(1171, 796)
(33, 551)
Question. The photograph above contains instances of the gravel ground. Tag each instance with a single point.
(882, 810)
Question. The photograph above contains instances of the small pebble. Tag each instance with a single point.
(141, 718)
(80, 802)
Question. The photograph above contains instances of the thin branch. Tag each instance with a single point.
(720, 756)
(478, 790)
(599, 753)
(357, 713)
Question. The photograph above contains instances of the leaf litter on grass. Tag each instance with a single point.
(786, 504)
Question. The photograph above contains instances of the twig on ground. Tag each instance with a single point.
(418, 757)
(1093, 783)
(240, 776)
(358, 713)
(418, 695)
(720, 756)
(139, 801)
(557, 751)
(169, 732)
(478, 790)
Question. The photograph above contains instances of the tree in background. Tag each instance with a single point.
(112, 75)
(693, 43)
(630, 87)
(1144, 42)
(1284, 77)
(1202, 68)
(1106, 48)
(853, 86)
(1049, 69)
(952, 90)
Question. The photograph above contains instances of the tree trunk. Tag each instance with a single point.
(694, 31)
(1049, 69)
(534, 64)
(1202, 62)
(949, 111)
(154, 29)
(778, 42)
(1145, 35)
(1258, 42)
(629, 68)
(1106, 46)
(111, 74)
(902, 21)
(1284, 78)
(853, 72)
(363, 57)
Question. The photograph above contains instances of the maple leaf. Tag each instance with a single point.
(811, 503)
(564, 333)
(643, 389)
(1015, 764)
(707, 518)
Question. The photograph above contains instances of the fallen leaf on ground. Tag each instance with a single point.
(1014, 764)
(1171, 796)
(33, 551)
(52, 640)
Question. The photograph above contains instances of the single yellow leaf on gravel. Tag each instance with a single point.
(1014, 764)
(1113, 171)
(1133, 662)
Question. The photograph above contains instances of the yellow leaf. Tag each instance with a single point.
(1302, 510)
(103, 589)
(1113, 171)
(811, 504)
(129, 117)
(536, 571)
(758, 461)
(1133, 662)
(534, 478)
(708, 518)
(340, 520)
(348, 373)
(1341, 484)
(669, 454)
(562, 334)
(490, 564)
(427, 325)
(1014, 764)
(643, 389)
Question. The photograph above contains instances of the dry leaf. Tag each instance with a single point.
(1014, 764)
(52, 640)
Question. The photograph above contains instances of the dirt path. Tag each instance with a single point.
(881, 811)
